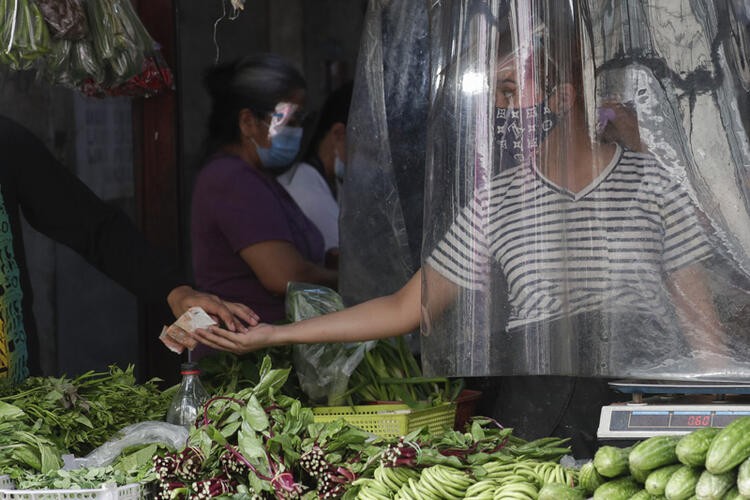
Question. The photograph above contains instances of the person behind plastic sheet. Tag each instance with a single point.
(249, 237)
(557, 168)
(314, 182)
(56, 203)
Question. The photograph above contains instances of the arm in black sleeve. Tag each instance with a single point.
(58, 204)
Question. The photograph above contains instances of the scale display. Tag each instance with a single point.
(672, 408)
(637, 421)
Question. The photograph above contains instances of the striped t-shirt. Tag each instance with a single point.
(607, 247)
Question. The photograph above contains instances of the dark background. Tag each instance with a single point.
(142, 155)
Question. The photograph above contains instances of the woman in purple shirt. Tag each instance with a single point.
(249, 237)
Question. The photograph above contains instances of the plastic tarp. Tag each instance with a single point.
(581, 170)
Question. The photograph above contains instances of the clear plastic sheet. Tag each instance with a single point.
(141, 433)
(323, 370)
(381, 195)
(586, 185)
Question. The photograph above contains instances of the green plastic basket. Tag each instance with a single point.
(390, 420)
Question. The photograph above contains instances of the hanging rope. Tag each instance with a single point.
(237, 7)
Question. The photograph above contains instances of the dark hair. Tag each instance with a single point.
(256, 83)
(334, 110)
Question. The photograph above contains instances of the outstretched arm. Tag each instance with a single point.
(382, 317)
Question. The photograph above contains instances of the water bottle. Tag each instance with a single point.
(188, 401)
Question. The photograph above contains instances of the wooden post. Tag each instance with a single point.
(157, 193)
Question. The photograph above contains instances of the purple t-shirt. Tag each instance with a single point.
(235, 206)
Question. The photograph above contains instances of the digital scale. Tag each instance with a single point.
(671, 408)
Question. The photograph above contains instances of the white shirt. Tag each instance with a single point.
(311, 193)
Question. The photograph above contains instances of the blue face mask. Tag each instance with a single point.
(285, 145)
(339, 168)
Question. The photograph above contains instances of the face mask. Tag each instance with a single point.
(339, 168)
(519, 131)
(285, 145)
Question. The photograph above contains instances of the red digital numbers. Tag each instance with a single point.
(699, 420)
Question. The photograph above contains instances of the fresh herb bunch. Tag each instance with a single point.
(80, 414)
(390, 372)
(21, 446)
(337, 454)
(225, 373)
(244, 441)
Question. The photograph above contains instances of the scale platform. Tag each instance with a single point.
(667, 407)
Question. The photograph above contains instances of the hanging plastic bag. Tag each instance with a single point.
(323, 369)
(133, 63)
(118, 37)
(23, 34)
(66, 19)
(117, 58)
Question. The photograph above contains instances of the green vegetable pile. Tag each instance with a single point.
(708, 463)
(258, 443)
(44, 418)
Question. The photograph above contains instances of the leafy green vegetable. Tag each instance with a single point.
(47, 417)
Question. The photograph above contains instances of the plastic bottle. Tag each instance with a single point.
(188, 401)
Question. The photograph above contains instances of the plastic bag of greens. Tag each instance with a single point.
(323, 369)
(24, 36)
(65, 18)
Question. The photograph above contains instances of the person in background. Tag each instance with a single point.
(249, 237)
(314, 181)
(56, 203)
(558, 168)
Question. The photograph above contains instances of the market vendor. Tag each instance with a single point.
(59, 205)
(637, 250)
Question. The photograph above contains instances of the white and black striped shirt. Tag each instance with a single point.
(607, 247)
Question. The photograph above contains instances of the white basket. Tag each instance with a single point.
(6, 483)
(127, 492)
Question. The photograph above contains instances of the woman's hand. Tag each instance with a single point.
(252, 339)
(618, 123)
(184, 297)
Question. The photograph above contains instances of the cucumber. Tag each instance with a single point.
(730, 447)
(557, 491)
(589, 479)
(656, 482)
(611, 461)
(713, 486)
(681, 484)
(645, 495)
(653, 453)
(692, 448)
(619, 489)
(638, 474)
(743, 478)
(734, 494)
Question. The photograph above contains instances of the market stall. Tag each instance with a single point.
(572, 177)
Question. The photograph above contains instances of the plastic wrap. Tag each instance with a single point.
(381, 195)
(65, 18)
(323, 370)
(148, 432)
(24, 36)
(586, 186)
